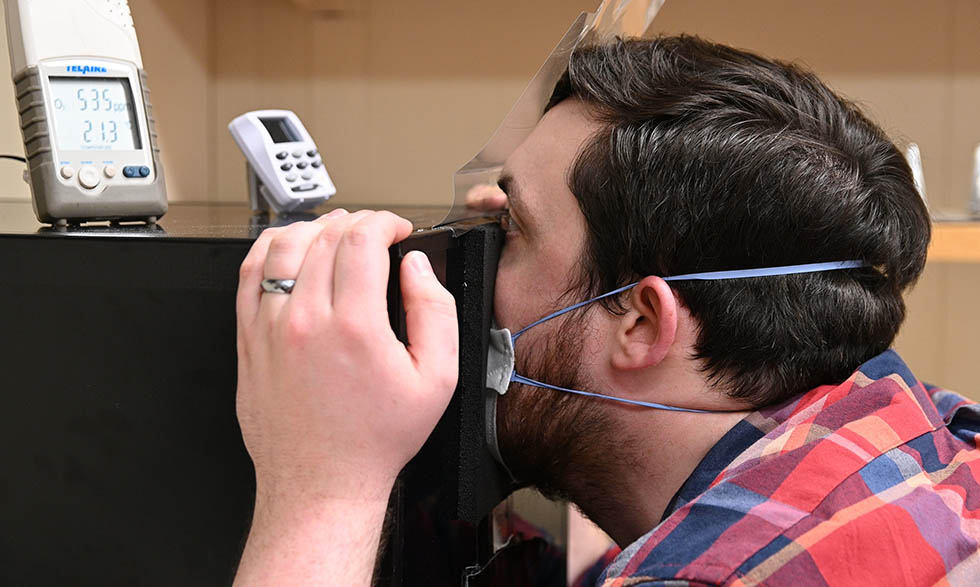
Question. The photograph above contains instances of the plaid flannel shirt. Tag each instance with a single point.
(872, 482)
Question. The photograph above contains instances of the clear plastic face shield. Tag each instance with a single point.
(625, 18)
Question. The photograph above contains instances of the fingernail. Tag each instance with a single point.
(420, 262)
(336, 212)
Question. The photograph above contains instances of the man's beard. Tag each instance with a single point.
(568, 446)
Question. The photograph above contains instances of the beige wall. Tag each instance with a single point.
(11, 184)
(399, 93)
(913, 66)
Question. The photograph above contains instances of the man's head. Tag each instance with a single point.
(674, 156)
(712, 159)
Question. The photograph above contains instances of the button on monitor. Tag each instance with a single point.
(88, 177)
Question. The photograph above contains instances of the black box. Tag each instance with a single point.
(124, 462)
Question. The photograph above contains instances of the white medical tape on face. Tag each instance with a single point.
(500, 370)
(500, 360)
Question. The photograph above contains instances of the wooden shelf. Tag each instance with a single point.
(327, 6)
(955, 242)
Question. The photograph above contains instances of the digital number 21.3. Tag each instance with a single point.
(109, 131)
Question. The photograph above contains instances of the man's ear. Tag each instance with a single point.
(648, 329)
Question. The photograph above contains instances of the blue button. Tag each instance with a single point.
(131, 171)
(144, 171)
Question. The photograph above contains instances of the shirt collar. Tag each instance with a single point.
(732, 444)
(758, 424)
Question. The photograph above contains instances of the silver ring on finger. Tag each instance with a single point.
(280, 286)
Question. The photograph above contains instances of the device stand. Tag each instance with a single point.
(262, 203)
(256, 198)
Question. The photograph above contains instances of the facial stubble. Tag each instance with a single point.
(566, 445)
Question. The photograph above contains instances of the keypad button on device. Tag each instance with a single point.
(306, 187)
(282, 155)
(109, 171)
(311, 153)
(291, 177)
(307, 175)
(297, 154)
(88, 177)
(144, 171)
(131, 171)
(286, 166)
(67, 171)
(316, 164)
(301, 165)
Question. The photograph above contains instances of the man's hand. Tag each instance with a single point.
(486, 196)
(330, 403)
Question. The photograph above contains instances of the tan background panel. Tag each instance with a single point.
(400, 93)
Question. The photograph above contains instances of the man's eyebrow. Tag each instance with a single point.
(511, 188)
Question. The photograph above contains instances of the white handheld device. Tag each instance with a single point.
(284, 168)
(84, 110)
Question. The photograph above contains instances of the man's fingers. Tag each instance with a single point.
(283, 261)
(250, 277)
(335, 213)
(314, 283)
(486, 197)
(431, 322)
(288, 249)
(253, 268)
(362, 265)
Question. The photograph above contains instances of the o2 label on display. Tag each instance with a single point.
(94, 114)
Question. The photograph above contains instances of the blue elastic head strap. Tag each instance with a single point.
(708, 276)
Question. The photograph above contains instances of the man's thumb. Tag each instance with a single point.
(430, 319)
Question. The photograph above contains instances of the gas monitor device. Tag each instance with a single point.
(85, 111)
(284, 168)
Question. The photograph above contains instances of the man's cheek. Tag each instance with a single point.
(503, 305)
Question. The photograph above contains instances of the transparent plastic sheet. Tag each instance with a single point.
(625, 18)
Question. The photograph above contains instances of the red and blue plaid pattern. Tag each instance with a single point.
(872, 482)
